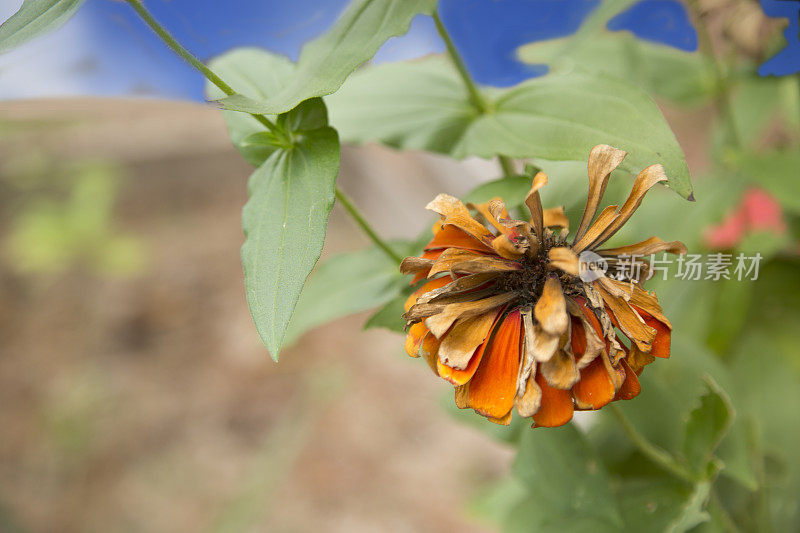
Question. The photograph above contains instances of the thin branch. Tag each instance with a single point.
(364, 225)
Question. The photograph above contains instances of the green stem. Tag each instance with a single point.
(364, 225)
(211, 76)
(655, 453)
(176, 47)
(476, 98)
(507, 164)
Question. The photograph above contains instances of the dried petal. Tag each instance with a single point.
(534, 203)
(555, 217)
(603, 159)
(551, 309)
(460, 343)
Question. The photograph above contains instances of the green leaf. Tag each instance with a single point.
(390, 316)
(343, 284)
(661, 504)
(291, 195)
(682, 77)
(568, 483)
(34, 18)
(512, 189)
(327, 61)
(258, 74)
(422, 105)
(708, 424)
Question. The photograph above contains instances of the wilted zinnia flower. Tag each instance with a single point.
(516, 317)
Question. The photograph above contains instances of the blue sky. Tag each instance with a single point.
(105, 50)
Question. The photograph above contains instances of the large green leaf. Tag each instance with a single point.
(422, 105)
(708, 424)
(327, 61)
(567, 482)
(346, 283)
(34, 18)
(291, 195)
(662, 505)
(682, 77)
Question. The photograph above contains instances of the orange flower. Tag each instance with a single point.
(515, 317)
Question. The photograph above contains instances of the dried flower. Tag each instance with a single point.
(515, 317)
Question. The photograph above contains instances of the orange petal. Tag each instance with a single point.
(663, 338)
(595, 389)
(578, 338)
(494, 385)
(630, 387)
(556, 408)
(430, 351)
(452, 237)
(428, 287)
(414, 338)
(460, 377)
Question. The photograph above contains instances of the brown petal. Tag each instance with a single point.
(505, 248)
(462, 395)
(534, 203)
(555, 217)
(653, 245)
(493, 387)
(638, 359)
(419, 293)
(449, 257)
(462, 284)
(551, 309)
(629, 321)
(603, 222)
(646, 179)
(441, 322)
(460, 343)
(485, 265)
(564, 259)
(528, 402)
(412, 265)
(603, 159)
(560, 371)
(493, 211)
(528, 353)
(586, 342)
(456, 214)
(616, 373)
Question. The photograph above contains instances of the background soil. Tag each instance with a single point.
(147, 402)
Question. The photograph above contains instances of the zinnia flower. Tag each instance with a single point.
(516, 317)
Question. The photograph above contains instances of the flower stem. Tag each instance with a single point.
(211, 76)
(176, 47)
(364, 225)
(655, 453)
(475, 97)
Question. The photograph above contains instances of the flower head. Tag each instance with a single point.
(517, 317)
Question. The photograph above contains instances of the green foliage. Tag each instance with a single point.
(423, 105)
(326, 62)
(284, 221)
(707, 426)
(568, 486)
(34, 18)
(346, 283)
(660, 70)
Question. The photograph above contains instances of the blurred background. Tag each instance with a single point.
(135, 394)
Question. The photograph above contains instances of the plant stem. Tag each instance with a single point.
(364, 225)
(170, 41)
(176, 47)
(475, 96)
(655, 453)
